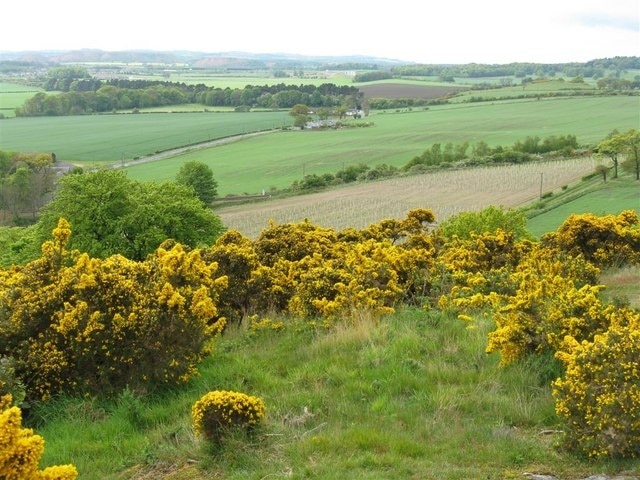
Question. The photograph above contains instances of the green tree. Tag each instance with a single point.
(632, 151)
(612, 147)
(199, 176)
(488, 220)
(300, 114)
(111, 214)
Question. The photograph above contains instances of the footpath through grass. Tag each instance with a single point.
(412, 396)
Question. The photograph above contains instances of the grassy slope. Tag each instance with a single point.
(411, 396)
(593, 196)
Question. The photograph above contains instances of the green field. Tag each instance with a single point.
(13, 95)
(106, 138)
(541, 88)
(277, 159)
(605, 199)
(237, 80)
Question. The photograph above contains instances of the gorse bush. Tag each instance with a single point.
(21, 449)
(221, 411)
(609, 240)
(599, 395)
(80, 325)
(75, 324)
(546, 302)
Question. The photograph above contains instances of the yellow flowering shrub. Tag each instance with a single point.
(219, 411)
(265, 324)
(21, 449)
(474, 273)
(237, 260)
(273, 286)
(310, 271)
(482, 252)
(599, 395)
(362, 277)
(86, 325)
(417, 222)
(603, 240)
(550, 300)
(294, 241)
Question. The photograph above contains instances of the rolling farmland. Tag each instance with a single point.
(446, 193)
(278, 159)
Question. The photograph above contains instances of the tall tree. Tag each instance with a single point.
(199, 176)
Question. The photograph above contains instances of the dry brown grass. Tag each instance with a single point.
(446, 193)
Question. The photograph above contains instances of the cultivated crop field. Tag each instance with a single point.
(258, 77)
(406, 90)
(94, 139)
(13, 95)
(446, 193)
(278, 159)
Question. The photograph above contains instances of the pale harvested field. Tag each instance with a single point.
(446, 193)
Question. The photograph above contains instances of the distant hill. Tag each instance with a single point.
(197, 59)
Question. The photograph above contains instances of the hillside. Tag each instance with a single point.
(445, 192)
(410, 397)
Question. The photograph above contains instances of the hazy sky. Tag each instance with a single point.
(442, 31)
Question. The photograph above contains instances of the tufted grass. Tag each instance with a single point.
(409, 396)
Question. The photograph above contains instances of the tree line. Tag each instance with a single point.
(592, 69)
(83, 94)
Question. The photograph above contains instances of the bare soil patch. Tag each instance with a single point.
(446, 193)
(400, 90)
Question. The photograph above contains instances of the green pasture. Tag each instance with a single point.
(93, 139)
(541, 88)
(278, 159)
(13, 95)
(410, 396)
(236, 80)
(604, 199)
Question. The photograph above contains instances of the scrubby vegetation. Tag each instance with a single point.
(77, 325)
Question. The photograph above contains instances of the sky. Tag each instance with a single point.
(421, 31)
